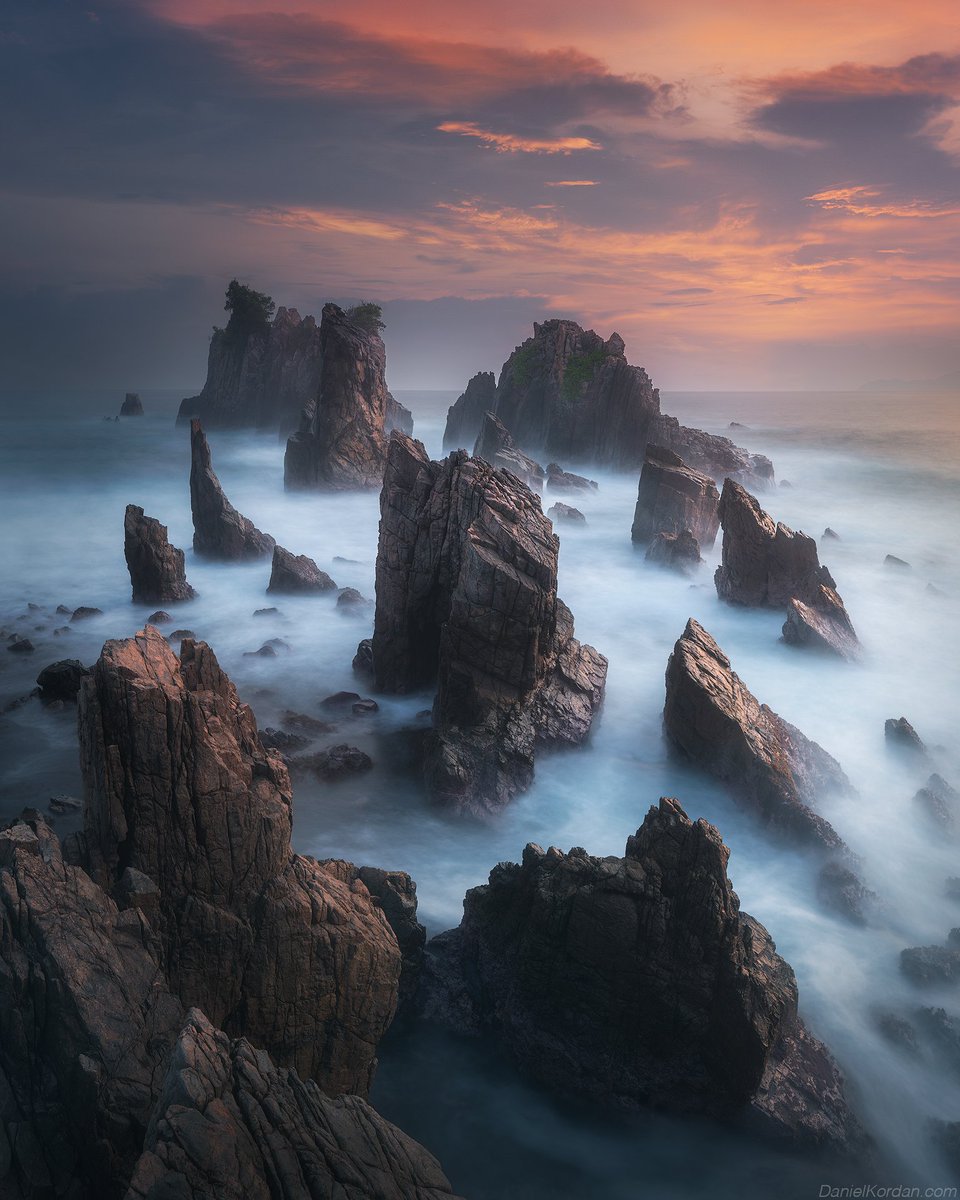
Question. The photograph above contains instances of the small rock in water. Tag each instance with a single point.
(785, 483)
(266, 612)
(830, 535)
(336, 763)
(737, 425)
(901, 734)
(21, 645)
(679, 551)
(304, 722)
(159, 617)
(296, 573)
(178, 635)
(341, 700)
(363, 708)
(266, 651)
(61, 680)
(350, 598)
(83, 613)
(892, 561)
(63, 610)
(132, 405)
(559, 480)
(932, 590)
(355, 562)
(61, 631)
(939, 801)
(566, 513)
(842, 891)
(280, 739)
(64, 804)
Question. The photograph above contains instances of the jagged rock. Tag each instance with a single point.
(219, 531)
(260, 379)
(717, 456)
(267, 650)
(939, 802)
(341, 442)
(559, 480)
(85, 613)
(901, 735)
(565, 513)
(765, 563)
(62, 805)
(337, 762)
(363, 659)
(297, 574)
(465, 415)
(679, 551)
(897, 1031)
(839, 888)
(266, 612)
(61, 680)
(637, 981)
(267, 942)
(132, 405)
(230, 1124)
(398, 417)
(466, 600)
(159, 618)
(771, 767)
(673, 498)
(897, 563)
(495, 445)
(156, 568)
(830, 535)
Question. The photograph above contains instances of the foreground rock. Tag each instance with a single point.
(341, 442)
(296, 574)
(467, 602)
(678, 551)
(219, 531)
(132, 405)
(637, 981)
(713, 718)
(495, 446)
(269, 944)
(767, 564)
(673, 498)
(108, 1084)
(157, 570)
(465, 415)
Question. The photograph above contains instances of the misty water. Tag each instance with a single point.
(880, 470)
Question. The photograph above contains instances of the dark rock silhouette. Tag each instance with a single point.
(566, 514)
(296, 573)
(495, 446)
(156, 568)
(132, 405)
(898, 564)
(637, 981)
(268, 943)
(678, 551)
(85, 613)
(938, 801)
(465, 415)
(61, 680)
(342, 439)
(672, 498)
(830, 535)
(337, 762)
(931, 965)
(219, 531)
(467, 602)
(901, 735)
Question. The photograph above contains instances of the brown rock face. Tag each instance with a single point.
(673, 498)
(495, 446)
(268, 943)
(219, 531)
(714, 719)
(467, 601)
(156, 568)
(465, 415)
(297, 574)
(767, 564)
(341, 443)
(717, 456)
(637, 981)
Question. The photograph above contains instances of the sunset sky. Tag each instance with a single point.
(753, 195)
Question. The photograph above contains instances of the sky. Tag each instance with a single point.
(754, 196)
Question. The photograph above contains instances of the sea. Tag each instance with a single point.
(880, 469)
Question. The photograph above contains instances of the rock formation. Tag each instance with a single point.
(132, 405)
(678, 551)
(495, 446)
(765, 563)
(219, 531)
(465, 415)
(938, 801)
(559, 480)
(156, 568)
(341, 442)
(108, 1084)
(566, 514)
(713, 718)
(568, 394)
(637, 981)
(297, 574)
(673, 498)
(269, 944)
(901, 735)
(467, 602)
(61, 680)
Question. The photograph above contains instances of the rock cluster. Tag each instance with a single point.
(637, 981)
(219, 531)
(132, 405)
(341, 442)
(296, 574)
(765, 563)
(467, 602)
(157, 571)
(672, 498)
(495, 446)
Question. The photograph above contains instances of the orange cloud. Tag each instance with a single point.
(511, 143)
(577, 183)
(859, 201)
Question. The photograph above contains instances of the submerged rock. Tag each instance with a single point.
(559, 480)
(898, 564)
(268, 943)
(219, 531)
(61, 680)
(465, 415)
(495, 445)
(673, 498)
(132, 405)
(467, 601)
(940, 802)
(679, 551)
(637, 981)
(297, 574)
(156, 568)
(85, 613)
(901, 735)
(566, 514)
(337, 762)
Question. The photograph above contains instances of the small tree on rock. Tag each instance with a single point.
(367, 315)
(250, 311)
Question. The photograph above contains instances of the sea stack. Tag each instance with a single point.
(467, 604)
(156, 568)
(672, 498)
(219, 531)
(132, 405)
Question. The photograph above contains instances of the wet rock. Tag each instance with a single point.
(157, 571)
(840, 889)
(465, 415)
(83, 613)
(266, 612)
(673, 498)
(337, 762)
(296, 574)
(280, 739)
(61, 680)
(363, 659)
(20, 645)
(179, 635)
(63, 805)
(565, 514)
(939, 802)
(830, 535)
(305, 723)
(159, 618)
(826, 627)
(495, 446)
(897, 564)
(771, 767)
(364, 708)
(132, 405)
(678, 551)
(219, 531)
(559, 480)
(340, 701)
(715, 456)
(341, 442)
(637, 981)
(928, 965)
(901, 735)
(352, 600)
(466, 600)
(180, 788)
